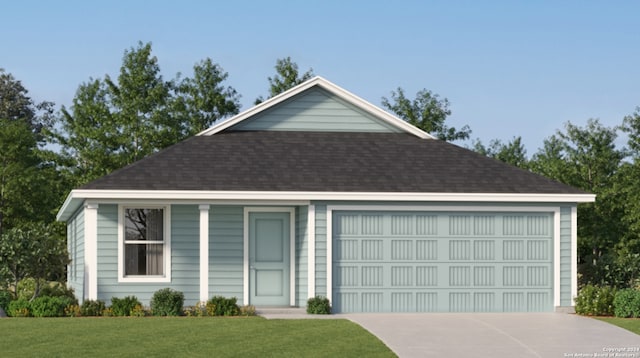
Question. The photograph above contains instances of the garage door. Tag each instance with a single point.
(442, 262)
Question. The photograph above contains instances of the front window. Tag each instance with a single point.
(144, 242)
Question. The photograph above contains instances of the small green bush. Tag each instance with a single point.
(318, 305)
(222, 306)
(139, 311)
(91, 308)
(47, 306)
(19, 308)
(124, 306)
(58, 289)
(72, 311)
(167, 302)
(199, 310)
(5, 299)
(627, 303)
(248, 310)
(595, 301)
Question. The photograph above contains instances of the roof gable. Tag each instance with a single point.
(315, 110)
(272, 113)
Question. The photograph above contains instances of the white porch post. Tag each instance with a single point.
(311, 252)
(204, 253)
(91, 251)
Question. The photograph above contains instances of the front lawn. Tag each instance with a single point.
(186, 337)
(631, 324)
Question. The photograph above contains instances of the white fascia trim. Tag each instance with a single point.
(311, 251)
(297, 198)
(332, 88)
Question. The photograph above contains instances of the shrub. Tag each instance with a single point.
(72, 310)
(58, 289)
(92, 308)
(167, 302)
(595, 301)
(47, 306)
(627, 303)
(318, 305)
(19, 308)
(248, 310)
(199, 310)
(139, 311)
(124, 306)
(222, 306)
(5, 298)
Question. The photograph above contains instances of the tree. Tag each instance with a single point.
(203, 99)
(30, 185)
(513, 152)
(35, 251)
(287, 76)
(427, 112)
(16, 105)
(17, 170)
(587, 158)
(113, 123)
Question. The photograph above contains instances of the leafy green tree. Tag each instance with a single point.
(35, 251)
(287, 76)
(31, 187)
(115, 122)
(628, 188)
(16, 105)
(512, 152)
(587, 158)
(18, 163)
(427, 112)
(203, 99)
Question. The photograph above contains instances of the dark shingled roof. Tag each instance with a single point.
(325, 161)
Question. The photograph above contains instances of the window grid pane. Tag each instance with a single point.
(144, 242)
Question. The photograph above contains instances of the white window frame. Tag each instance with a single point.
(166, 250)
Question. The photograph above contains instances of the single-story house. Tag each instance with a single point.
(318, 192)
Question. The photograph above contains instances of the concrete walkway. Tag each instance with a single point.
(488, 334)
(499, 335)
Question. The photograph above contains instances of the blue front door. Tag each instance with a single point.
(269, 244)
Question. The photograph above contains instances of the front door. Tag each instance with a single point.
(269, 244)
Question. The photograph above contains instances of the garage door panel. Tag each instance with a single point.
(442, 262)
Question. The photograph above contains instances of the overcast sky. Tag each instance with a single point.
(509, 68)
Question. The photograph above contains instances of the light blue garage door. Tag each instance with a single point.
(442, 262)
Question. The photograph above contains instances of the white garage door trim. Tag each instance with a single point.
(546, 209)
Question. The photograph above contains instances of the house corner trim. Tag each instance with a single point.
(204, 252)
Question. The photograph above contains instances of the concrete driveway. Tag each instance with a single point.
(498, 335)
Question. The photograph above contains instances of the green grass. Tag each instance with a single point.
(186, 337)
(630, 324)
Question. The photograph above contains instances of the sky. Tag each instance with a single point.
(508, 68)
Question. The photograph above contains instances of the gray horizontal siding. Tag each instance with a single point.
(226, 224)
(316, 110)
(565, 256)
(185, 259)
(185, 251)
(321, 250)
(75, 246)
